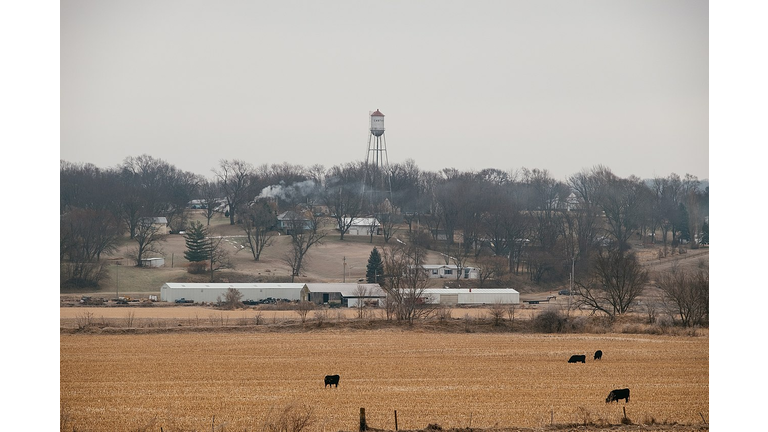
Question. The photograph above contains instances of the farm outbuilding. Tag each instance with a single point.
(344, 294)
(213, 292)
(363, 226)
(470, 296)
(152, 262)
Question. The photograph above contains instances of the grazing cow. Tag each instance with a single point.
(331, 380)
(598, 355)
(617, 394)
(577, 359)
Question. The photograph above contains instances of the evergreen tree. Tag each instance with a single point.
(198, 246)
(374, 272)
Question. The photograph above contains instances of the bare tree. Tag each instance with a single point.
(622, 201)
(343, 195)
(218, 255)
(388, 225)
(616, 281)
(586, 187)
(688, 292)
(258, 220)
(303, 229)
(407, 192)
(489, 268)
(148, 237)
(361, 292)
(451, 196)
(457, 254)
(153, 187)
(232, 299)
(692, 200)
(86, 234)
(497, 310)
(235, 178)
(303, 309)
(210, 194)
(405, 280)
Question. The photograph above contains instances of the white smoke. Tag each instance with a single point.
(295, 191)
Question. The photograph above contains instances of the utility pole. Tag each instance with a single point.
(344, 277)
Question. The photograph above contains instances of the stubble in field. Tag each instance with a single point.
(191, 381)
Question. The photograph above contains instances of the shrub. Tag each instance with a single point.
(443, 313)
(232, 299)
(303, 308)
(549, 321)
(497, 312)
(292, 418)
(197, 267)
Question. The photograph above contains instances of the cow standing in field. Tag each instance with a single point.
(331, 380)
(598, 355)
(577, 359)
(617, 394)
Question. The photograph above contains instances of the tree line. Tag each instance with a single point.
(522, 222)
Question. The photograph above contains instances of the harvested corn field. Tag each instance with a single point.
(237, 381)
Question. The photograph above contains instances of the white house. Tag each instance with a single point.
(292, 220)
(213, 292)
(449, 271)
(160, 223)
(470, 296)
(362, 226)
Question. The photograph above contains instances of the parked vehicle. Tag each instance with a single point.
(183, 300)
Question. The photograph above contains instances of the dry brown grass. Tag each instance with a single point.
(193, 381)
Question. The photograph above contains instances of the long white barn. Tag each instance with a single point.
(213, 292)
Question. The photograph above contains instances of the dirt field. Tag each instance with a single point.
(195, 381)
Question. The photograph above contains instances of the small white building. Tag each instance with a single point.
(213, 292)
(362, 226)
(152, 262)
(470, 296)
(449, 271)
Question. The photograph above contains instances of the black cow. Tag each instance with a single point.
(331, 380)
(598, 355)
(615, 395)
(577, 359)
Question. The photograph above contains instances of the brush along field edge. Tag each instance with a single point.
(183, 381)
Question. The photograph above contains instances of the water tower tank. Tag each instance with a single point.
(377, 123)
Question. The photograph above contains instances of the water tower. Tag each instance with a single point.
(377, 143)
(376, 161)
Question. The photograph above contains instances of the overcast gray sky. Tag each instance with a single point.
(556, 85)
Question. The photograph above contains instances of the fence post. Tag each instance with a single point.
(363, 426)
(395, 420)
